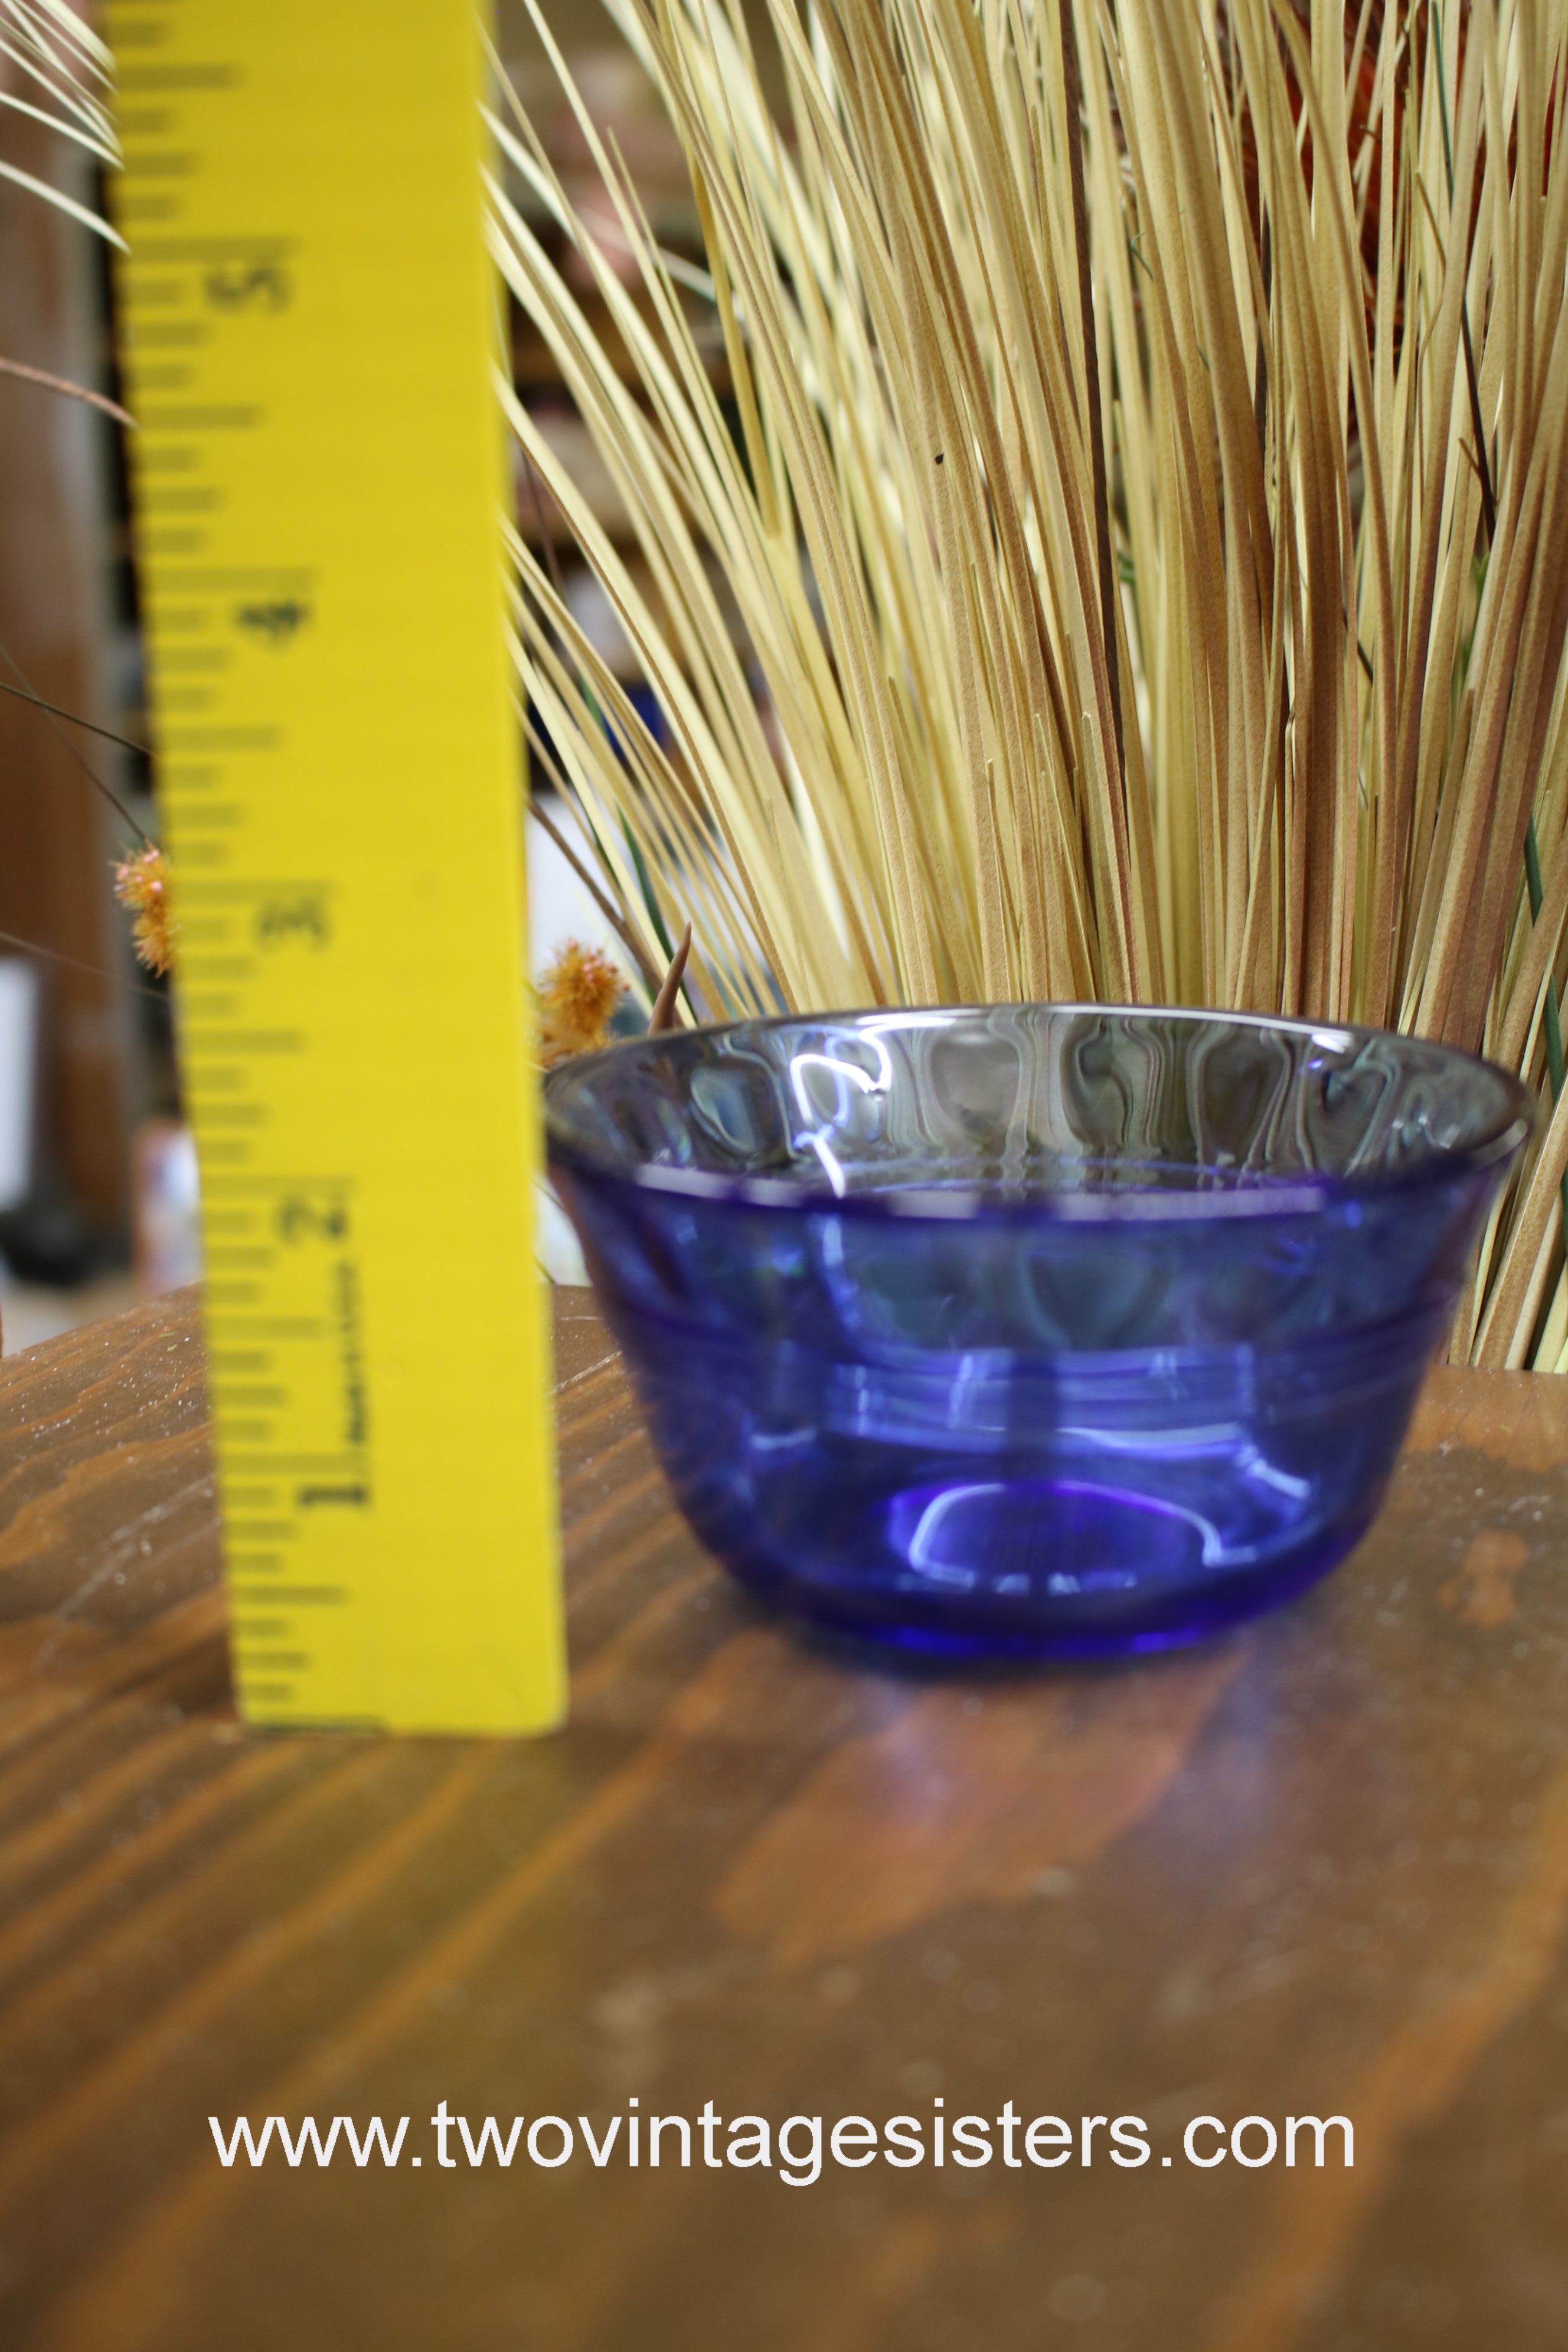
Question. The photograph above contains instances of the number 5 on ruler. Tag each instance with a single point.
(310, 330)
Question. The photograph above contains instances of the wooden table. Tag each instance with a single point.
(1318, 1868)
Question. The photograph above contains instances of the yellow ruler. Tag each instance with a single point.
(310, 330)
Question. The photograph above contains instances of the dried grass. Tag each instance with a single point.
(1200, 641)
(56, 70)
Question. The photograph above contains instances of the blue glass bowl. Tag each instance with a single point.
(1029, 1329)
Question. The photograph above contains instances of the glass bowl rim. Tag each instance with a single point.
(1149, 1204)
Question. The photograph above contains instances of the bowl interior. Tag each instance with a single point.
(1020, 1101)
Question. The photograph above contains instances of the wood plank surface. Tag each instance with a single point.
(1320, 1867)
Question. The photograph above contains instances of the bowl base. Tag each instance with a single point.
(1056, 1571)
(983, 1506)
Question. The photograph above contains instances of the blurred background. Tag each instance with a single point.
(98, 1179)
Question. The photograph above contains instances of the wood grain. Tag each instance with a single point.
(1319, 1868)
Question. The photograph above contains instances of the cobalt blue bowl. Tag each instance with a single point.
(1029, 1329)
